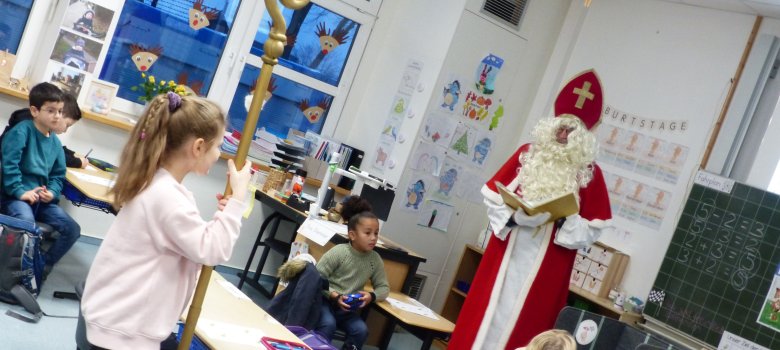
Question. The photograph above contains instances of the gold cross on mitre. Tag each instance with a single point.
(584, 93)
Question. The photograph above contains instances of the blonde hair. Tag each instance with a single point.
(554, 339)
(157, 134)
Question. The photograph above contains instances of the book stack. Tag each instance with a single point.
(263, 146)
(598, 268)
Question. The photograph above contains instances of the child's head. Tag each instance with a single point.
(363, 231)
(353, 205)
(46, 105)
(173, 128)
(554, 339)
(71, 113)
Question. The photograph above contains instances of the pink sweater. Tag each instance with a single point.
(145, 271)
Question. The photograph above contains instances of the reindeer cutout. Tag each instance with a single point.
(268, 93)
(144, 58)
(330, 41)
(314, 113)
(201, 16)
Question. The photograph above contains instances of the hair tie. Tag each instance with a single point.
(174, 101)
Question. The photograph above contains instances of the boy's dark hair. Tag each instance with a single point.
(355, 219)
(45, 92)
(353, 205)
(71, 109)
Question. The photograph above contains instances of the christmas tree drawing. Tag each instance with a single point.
(462, 145)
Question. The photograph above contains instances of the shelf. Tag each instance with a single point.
(278, 246)
(458, 292)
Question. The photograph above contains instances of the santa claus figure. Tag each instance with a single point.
(523, 280)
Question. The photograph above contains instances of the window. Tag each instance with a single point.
(325, 41)
(158, 38)
(15, 14)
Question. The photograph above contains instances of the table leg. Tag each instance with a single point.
(388, 333)
(258, 240)
(427, 341)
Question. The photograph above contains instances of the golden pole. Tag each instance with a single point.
(273, 48)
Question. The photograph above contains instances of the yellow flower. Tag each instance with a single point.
(171, 83)
(143, 75)
(151, 79)
(180, 89)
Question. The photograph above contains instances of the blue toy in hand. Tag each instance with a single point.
(353, 300)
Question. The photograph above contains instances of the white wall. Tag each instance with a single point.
(660, 60)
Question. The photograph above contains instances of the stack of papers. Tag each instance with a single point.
(320, 231)
(413, 306)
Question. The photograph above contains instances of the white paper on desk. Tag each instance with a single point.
(321, 231)
(413, 306)
(232, 333)
(93, 179)
(232, 289)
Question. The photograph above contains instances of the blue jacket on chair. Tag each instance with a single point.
(300, 302)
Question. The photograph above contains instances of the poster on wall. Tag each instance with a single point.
(450, 177)
(450, 94)
(463, 142)
(769, 314)
(416, 190)
(427, 158)
(435, 215)
(438, 129)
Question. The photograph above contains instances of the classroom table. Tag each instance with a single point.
(89, 188)
(229, 320)
(423, 327)
(401, 264)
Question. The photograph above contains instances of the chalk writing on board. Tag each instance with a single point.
(713, 181)
(693, 318)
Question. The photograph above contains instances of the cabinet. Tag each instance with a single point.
(456, 295)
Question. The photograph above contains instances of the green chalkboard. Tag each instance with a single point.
(720, 265)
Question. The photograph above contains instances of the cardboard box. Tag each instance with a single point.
(603, 266)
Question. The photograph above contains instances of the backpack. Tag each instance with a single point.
(21, 261)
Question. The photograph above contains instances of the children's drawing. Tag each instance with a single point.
(201, 16)
(450, 95)
(410, 77)
(427, 158)
(482, 148)
(400, 105)
(435, 215)
(476, 107)
(463, 142)
(382, 154)
(143, 57)
(438, 129)
(487, 72)
(496, 118)
(416, 190)
(450, 177)
(769, 315)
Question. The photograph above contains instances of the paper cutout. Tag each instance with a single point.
(435, 215)
(427, 158)
(476, 107)
(143, 57)
(330, 40)
(313, 113)
(487, 72)
(248, 98)
(201, 16)
(438, 129)
(497, 114)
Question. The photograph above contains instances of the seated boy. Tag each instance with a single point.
(71, 113)
(33, 166)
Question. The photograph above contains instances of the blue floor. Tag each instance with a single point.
(58, 333)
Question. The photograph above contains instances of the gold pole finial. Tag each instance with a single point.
(273, 47)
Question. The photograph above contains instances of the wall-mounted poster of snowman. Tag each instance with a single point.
(482, 147)
(438, 129)
(416, 190)
(487, 72)
(463, 141)
(427, 158)
(451, 94)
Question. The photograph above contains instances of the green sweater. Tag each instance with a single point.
(347, 270)
(31, 159)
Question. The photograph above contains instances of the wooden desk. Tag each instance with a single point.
(82, 192)
(605, 306)
(223, 306)
(422, 327)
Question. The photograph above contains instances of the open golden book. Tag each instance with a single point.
(558, 207)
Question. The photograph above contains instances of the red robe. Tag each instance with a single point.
(516, 296)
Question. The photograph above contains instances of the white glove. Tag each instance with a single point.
(522, 219)
(576, 233)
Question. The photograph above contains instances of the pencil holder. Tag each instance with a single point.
(274, 180)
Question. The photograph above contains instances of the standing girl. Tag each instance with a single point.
(145, 271)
